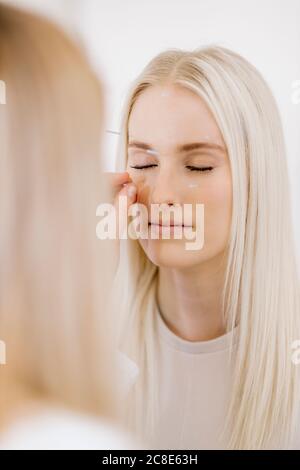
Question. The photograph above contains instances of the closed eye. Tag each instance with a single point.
(189, 167)
(202, 168)
(144, 167)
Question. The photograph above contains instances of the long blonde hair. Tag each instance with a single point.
(54, 272)
(261, 289)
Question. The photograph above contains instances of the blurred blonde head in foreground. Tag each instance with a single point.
(54, 272)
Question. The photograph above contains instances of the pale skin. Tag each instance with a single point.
(189, 282)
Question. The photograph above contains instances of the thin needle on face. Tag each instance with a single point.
(152, 152)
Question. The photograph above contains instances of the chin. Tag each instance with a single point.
(172, 253)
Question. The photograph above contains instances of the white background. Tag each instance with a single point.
(121, 36)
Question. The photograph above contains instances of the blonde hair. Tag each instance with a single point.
(54, 272)
(261, 289)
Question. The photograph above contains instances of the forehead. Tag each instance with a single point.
(165, 116)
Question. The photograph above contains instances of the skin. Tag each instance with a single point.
(189, 282)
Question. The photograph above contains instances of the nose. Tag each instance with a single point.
(165, 189)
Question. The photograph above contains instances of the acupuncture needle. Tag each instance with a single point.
(153, 152)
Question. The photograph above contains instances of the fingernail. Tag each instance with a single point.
(131, 191)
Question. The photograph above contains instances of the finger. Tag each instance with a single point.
(117, 179)
(129, 191)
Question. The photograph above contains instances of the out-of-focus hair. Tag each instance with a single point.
(54, 272)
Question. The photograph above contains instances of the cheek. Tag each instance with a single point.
(217, 199)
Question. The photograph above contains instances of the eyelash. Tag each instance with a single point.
(190, 168)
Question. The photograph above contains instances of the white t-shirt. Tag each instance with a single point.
(194, 380)
(61, 429)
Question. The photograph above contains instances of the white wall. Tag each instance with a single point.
(122, 35)
(64, 12)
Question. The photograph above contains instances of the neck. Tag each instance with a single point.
(189, 300)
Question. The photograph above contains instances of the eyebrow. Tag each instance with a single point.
(180, 148)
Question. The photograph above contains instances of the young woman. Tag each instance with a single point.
(57, 372)
(211, 329)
